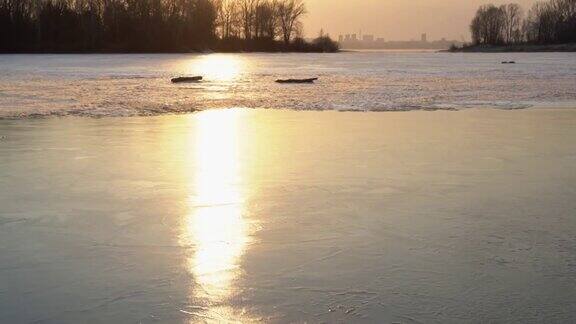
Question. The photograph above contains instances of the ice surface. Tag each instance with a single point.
(282, 216)
(128, 85)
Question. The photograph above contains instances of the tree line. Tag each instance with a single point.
(154, 26)
(551, 22)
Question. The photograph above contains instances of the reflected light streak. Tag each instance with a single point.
(219, 67)
(216, 227)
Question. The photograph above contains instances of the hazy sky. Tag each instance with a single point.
(396, 19)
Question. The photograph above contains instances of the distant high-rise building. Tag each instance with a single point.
(340, 38)
(368, 38)
(347, 38)
(424, 38)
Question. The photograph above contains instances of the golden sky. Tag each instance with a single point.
(395, 19)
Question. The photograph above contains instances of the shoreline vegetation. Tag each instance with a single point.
(549, 26)
(156, 26)
(513, 48)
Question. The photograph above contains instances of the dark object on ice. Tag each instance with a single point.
(187, 79)
(509, 62)
(311, 80)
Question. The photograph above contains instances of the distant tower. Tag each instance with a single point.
(424, 38)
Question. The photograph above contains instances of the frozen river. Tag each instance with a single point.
(287, 216)
(128, 85)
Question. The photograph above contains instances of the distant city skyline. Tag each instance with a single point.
(396, 20)
(370, 41)
(369, 37)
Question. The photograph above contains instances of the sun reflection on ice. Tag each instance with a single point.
(218, 67)
(216, 226)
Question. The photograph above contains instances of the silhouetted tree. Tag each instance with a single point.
(324, 42)
(289, 13)
(512, 23)
(548, 22)
(266, 20)
(552, 22)
(227, 18)
(147, 25)
(488, 25)
(247, 10)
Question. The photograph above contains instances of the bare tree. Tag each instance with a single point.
(512, 23)
(265, 20)
(551, 22)
(289, 14)
(541, 23)
(488, 25)
(227, 18)
(150, 25)
(247, 11)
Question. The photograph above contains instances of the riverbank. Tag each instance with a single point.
(323, 44)
(521, 48)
